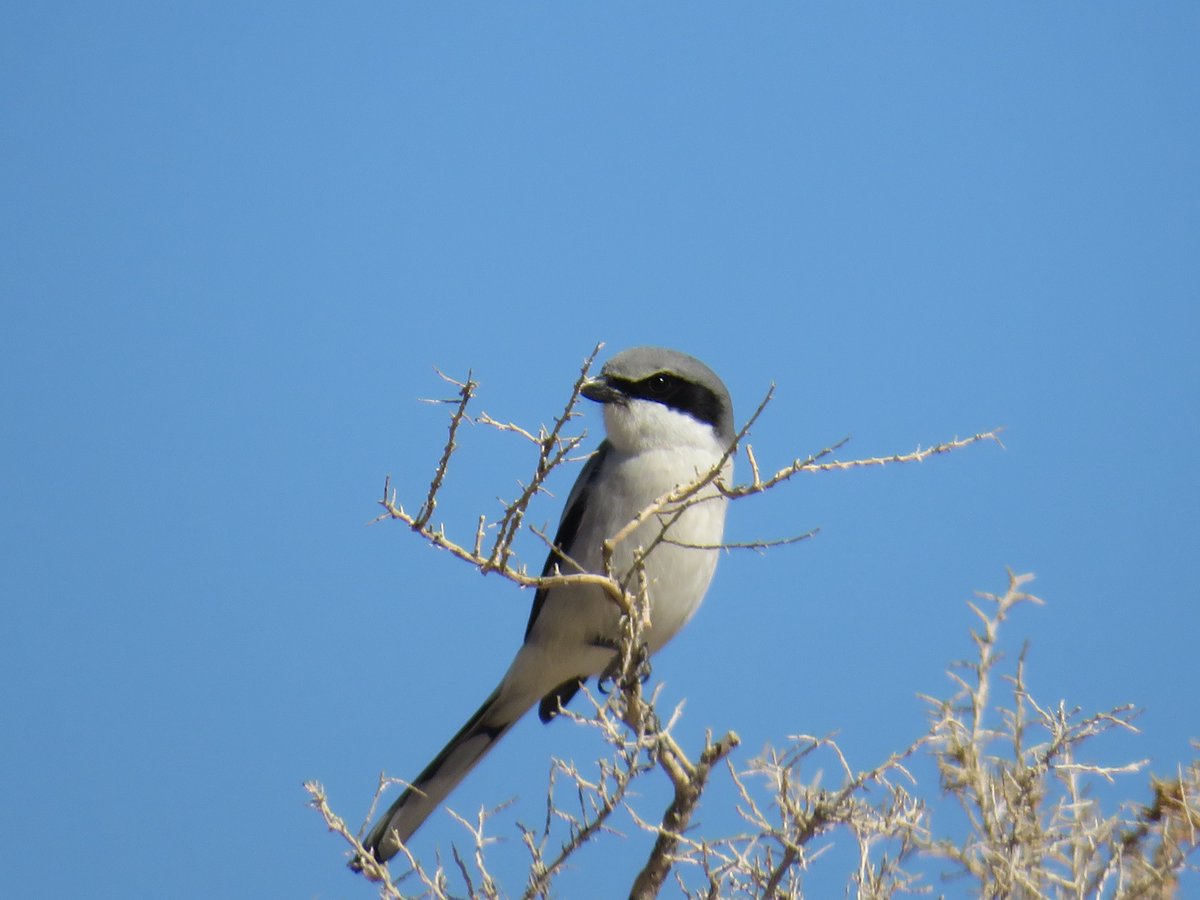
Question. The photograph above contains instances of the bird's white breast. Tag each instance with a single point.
(652, 451)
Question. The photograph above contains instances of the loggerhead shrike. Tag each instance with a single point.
(669, 421)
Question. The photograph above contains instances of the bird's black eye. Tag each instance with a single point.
(660, 385)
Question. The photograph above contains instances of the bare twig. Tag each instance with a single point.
(466, 390)
(748, 545)
(552, 450)
(689, 781)
(370, 868)
(813, 463)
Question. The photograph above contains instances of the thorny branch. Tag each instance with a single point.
(1034, 829)
(373, 870)
(552, 450)
(689, 781)
(597, 798)
(466, 390)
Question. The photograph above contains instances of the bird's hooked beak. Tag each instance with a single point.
(601, 391)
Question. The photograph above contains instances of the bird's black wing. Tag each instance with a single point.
(568, 526)
(564, 541)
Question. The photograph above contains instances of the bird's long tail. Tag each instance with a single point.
(490, 723)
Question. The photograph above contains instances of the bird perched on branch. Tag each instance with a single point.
(669, 422)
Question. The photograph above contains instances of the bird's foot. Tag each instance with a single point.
(615, 673)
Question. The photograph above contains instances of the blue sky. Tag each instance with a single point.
(237, 240)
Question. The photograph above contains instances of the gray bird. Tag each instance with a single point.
(669, 420)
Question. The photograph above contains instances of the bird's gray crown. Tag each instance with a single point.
(689, 385)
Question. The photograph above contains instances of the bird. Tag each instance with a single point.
(668, 422)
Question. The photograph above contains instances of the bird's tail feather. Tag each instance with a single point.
(490, 723)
